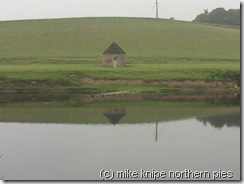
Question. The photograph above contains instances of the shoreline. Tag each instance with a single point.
(181, 83)
(102, 86)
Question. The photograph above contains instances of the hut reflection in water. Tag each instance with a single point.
(114, 115)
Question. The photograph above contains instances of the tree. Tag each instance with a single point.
(202, 17)
(206, 12)
(220, 16)
(217, 16)
(233, 17)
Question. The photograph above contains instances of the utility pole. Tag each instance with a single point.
(156, 9)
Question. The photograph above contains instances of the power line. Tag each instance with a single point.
(162, 10)
(156, 9)
(152, 9)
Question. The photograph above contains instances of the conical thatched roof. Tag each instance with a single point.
(114, 49)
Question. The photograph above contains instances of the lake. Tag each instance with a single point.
(160, 137)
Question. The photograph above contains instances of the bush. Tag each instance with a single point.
(226, 75)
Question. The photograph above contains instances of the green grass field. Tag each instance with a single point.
(156, 49)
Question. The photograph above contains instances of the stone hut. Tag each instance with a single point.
(114, 56)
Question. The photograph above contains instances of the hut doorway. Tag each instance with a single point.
(115, 63)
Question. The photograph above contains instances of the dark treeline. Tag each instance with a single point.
(220, 16)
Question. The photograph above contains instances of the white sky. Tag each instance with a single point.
(41, 9)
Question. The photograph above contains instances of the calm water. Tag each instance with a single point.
(99, 140)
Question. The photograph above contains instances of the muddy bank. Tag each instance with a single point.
(77, 99)
(210, 97)
(171, 83)
(49, 86)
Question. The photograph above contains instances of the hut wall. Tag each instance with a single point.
(114, 60)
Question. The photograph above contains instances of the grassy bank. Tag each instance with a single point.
(56, 54)
(67, 76)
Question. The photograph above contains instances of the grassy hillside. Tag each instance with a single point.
(57, 53)
(144, 40)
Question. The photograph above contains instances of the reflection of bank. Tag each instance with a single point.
(114, 115)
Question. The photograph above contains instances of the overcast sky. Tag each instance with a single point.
(40, 9)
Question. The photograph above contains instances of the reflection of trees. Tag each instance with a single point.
(230, 120)
(226, 100)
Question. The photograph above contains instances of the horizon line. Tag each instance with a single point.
(57, 18)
